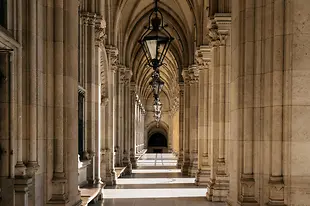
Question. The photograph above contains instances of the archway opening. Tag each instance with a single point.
(157, 143)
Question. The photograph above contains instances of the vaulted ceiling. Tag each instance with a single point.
(126, 23)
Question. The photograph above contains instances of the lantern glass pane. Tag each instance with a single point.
(152, 44)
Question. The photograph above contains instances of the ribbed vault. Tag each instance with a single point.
(131, 18)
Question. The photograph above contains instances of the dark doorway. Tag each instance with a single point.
(157, 143)
(158, 140)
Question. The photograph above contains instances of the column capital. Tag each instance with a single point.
(185, 75)
(88, 18)
(100, 36)
(112, 53)
(213, 34)
(194, 74)
(121, 71)
(203, 57)
(100, 26)
(223, 22)
(128, 75)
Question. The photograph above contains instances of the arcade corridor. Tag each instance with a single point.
(200, 101)
(156, 181)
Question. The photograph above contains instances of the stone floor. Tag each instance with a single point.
(156, 182)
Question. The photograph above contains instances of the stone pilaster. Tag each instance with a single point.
(99, 48)
(59, 192)
(181, 125)
(127, 121)
(112, 53)
(33, 77)
(186, 128)
(133, 125)
(92, 89)
(119, 147)
(219, 121)
(203, 58)
(193, 120)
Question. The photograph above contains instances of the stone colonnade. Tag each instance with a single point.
(140, 114)
(269, 108)
(53, 52)
(206, 114)
(249, 84)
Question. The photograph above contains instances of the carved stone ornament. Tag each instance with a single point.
(100, 36)
(185, 75)
(200, 62)
(104, 100)
(88, 18)
(128, 75)
(112, 53)
(213, 34)
(194, 74)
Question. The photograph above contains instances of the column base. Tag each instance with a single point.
(110, 178)
(217, 190)
(118, 158)
(21, 187)
(248, 203)
(133, 161)
(127, 163)
(20, 169)
(32, 168)
(180, 160)
(202, 177)
(185, 167)
(193, 168)
(247, 197)
(276, 191)
(59, 195)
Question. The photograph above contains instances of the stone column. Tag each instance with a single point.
(21, 187)
(181, 124)
(120, 117)
(142, 128)
(33, 76)
(213, 136)
(186, 125)
(104, 147)
(203, 58)
(91, 89)
(276, 98)
(20, 168)
(59, 180)
(138, 126)
(111, 132)
(127, 122)
(193, 119)
(98, 112)
(133, 125)
(243, 118)
(219, 183)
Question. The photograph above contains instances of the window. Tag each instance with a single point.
(3, 13)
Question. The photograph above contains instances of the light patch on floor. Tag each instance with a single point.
(138, 181)
(154, 193)
(152, 171)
